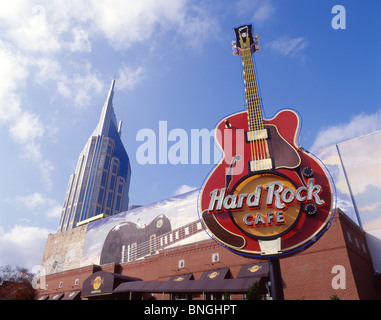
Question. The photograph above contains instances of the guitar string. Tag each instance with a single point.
(145, 248)
(253, 120)
(244, 61)
(258, 113)
(148, 247)
(250, 107)
(254, 115)
(264, 141)
(255, 108)
(247, 84)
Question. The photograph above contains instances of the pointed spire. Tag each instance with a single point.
(107, 113)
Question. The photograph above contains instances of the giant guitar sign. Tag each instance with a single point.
(267, 197)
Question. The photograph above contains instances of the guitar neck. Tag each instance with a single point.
(251, 92)
(178, 234)
(134, 251)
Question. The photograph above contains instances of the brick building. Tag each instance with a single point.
(338, 264)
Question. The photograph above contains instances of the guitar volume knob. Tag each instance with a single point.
(308, 172)
(310, 209)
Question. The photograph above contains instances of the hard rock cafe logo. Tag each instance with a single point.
(254, 268)
(97, 282)
(213, 275)
(267, 205)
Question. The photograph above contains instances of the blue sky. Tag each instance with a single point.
(173, 62)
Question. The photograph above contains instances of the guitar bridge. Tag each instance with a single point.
(256, 135)
(259, 165)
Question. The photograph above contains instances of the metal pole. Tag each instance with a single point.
(349, 187)
(276, 279)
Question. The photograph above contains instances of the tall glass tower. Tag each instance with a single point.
(101, 181)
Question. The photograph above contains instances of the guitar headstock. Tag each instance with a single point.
(244, 40)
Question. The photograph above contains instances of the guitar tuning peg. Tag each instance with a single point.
(234, 43)
(256, 39)
(257, 47)
(235, 52)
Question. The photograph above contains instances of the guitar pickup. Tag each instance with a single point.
(259, 165)
(256, 135)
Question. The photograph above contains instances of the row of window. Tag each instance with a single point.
(356, 242)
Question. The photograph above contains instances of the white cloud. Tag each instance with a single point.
(37, 202)
(22, 245)
(260, 10)
(184, 189)
(264, 12)
(286, 45)
(81, 41)
(25, 127)
(359, 125)
(129, 78)
(34, 34)
(126, 22)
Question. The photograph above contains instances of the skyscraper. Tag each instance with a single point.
(101, 181)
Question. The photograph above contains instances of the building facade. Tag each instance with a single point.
(339, 264)
(101, 181)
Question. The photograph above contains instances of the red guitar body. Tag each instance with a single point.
(288, 161)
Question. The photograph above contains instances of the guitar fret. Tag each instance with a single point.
(135, 251)
(259, 146)
(251, 90)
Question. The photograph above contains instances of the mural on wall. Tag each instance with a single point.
(144, 231)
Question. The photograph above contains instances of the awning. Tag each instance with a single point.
(224, 285)
(141, 286)
(259, 269)
(57, 296)
(73, 295)
(191, 286)
(210, 281)
(183, 277)
(103, 283)
(218, 274)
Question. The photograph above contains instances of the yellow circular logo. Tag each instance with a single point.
(254, 268)
(213, 275)
(261, 217)
(97, 283)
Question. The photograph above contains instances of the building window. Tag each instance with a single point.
(107, 162)
(117, 206)
(100, 196)
(109, 199)
(104, 176)
(349, 237)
